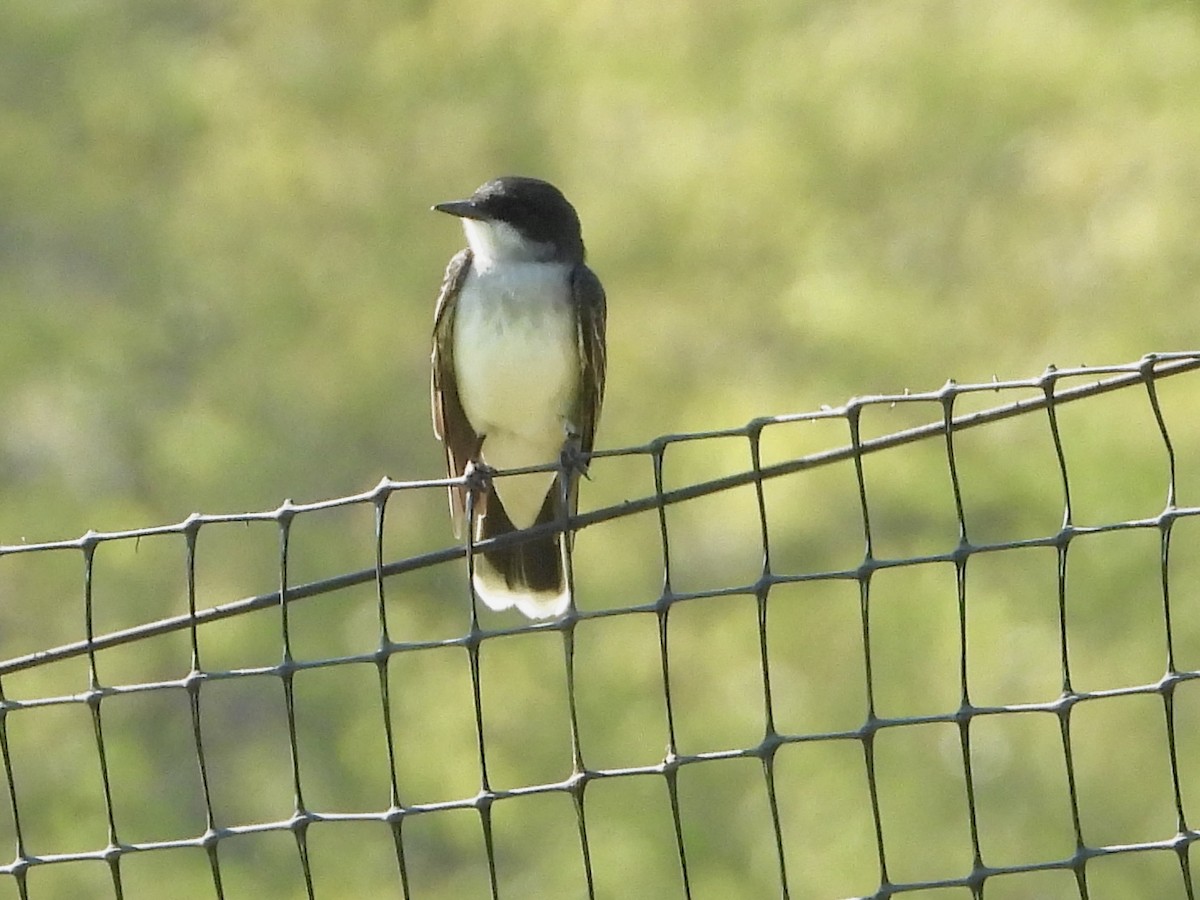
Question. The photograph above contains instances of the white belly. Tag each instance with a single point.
(516, 361)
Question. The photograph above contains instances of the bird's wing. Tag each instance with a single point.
(450, 424)
(591, 314)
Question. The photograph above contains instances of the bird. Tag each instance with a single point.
(518, 370)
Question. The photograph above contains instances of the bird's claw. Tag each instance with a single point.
(478, 477)
(572, 459)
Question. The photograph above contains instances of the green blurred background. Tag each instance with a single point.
(217, 273)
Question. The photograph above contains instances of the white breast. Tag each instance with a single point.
(516, 361)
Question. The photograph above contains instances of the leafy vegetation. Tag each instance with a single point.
(217, 273)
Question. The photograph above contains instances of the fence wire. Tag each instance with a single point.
(880, 726)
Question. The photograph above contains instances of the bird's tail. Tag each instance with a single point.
(531, 575)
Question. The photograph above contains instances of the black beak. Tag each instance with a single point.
(463, 209)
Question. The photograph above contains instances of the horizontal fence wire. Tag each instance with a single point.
(94, 763)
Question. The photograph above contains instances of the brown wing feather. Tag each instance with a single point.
(591, 316)
(591, 309)
(450, 424)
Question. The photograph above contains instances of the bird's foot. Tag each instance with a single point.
(572, 459)
(478, 477)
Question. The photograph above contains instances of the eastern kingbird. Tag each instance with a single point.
(518, 378)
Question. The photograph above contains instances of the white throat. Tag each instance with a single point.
(493, 242)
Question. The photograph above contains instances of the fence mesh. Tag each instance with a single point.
(953, 651)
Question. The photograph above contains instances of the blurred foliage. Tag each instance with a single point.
(217, 272)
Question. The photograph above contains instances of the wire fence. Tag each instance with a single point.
(952, 654)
